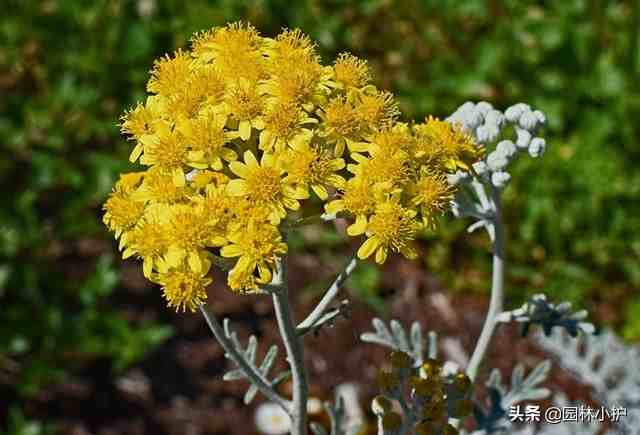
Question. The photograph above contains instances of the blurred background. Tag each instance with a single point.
(86, 343)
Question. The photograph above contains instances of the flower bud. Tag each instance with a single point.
(537, 147)
(507, 147)
(400, 360)
(514, 112)
(462, 383)
(483, 107)
(500, 179)
(528, 121)
(497, 161)
(524, 137)
(494, 117)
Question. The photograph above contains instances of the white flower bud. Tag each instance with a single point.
(524, 137)
(467, 105)
(542, 119)
(483, 107)
(497, 161)
(494, 117)
(457, 178)
(472, 119)
(528, 120)
(500, 179)
(487, 133)
(537, 147)
(507, 147)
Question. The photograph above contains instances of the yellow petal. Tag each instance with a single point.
(178, 177)
(135, 154)
(381, 255)
(147, 266)
(250, 159)
(368, 247)
(335, 206)
(240, 169)
(245, 130)
(320, 191)
(358, 227)
(237, 188)
(194, 262)
(231, 251)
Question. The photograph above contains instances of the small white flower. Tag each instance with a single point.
(483, 107)
(497, 161)
(524, 137)
(537, 147)
(507, 147)
(528, 121)
(272, 420)
(494, 117)
(500, 179)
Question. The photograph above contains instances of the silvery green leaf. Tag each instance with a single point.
(539, 311)
(396, 338)
(250, 394)
(280, 378)
(268, 360)
(234, 375)
(250, 353)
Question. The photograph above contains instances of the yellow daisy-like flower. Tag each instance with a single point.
(257, 246)
(190, 230)
(284, 124)
(432, 194)
(182, 287)
(391, 228)
(166, 150)
(206, 138)
(122, 212)
(245, 104)
(158, 186)
(169, 74)
(342, 125)
(149, 240)
(458, 150)
(351, 72)
(376, 109)
(315, 167)
(264, 183)
(382, 167)
(358, 197)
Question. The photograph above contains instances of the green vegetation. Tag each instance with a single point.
(69, 68)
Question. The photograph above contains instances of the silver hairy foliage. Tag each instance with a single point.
(539, 311)
(395, 337)
(249, 355)
(503, 396)
(609, 366)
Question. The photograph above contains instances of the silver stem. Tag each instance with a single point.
(497, 289)
(328, 297)
(295, 351)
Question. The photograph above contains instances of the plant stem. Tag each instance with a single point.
(497, 289)
(328, 297)
(253, 375)
(295, 352)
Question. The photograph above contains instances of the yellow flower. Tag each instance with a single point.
(149, 240)
(384, 166)
(122, 212)
(433, 194)
(158, 187)
(283, 124)
(137, 122)
(169, 74)
(342, 125)
(351, 71)
(245, 105)
(166, 150)
(235, 49)
(376, 109)
(391, 228)
(458, 150)
(183, 287)
(190, 231)
(258, 246)
(206, 138)
(312, 166)
(264, 184)
(357, 197)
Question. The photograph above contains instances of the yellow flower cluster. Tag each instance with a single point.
(238, 131)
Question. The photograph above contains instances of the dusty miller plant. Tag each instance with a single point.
(240, 133)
